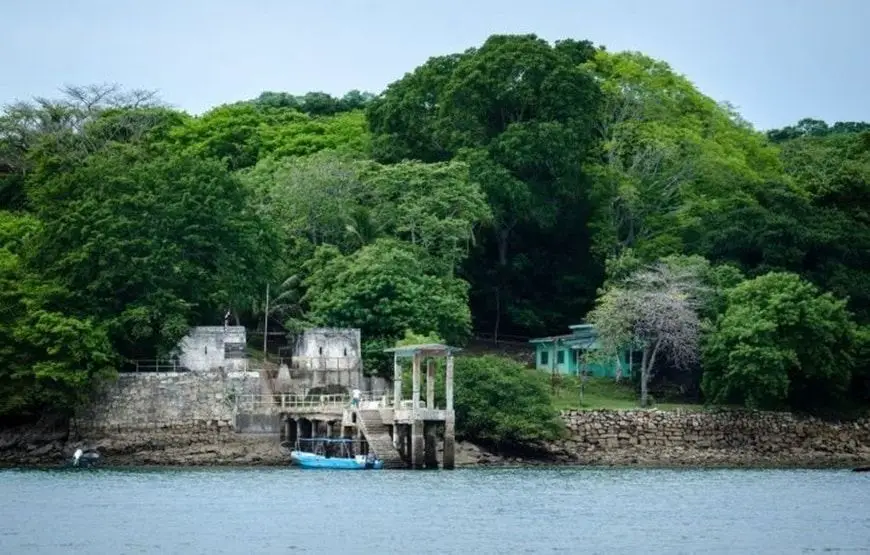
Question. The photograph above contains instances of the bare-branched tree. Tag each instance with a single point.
(22, 124)
(654, 310)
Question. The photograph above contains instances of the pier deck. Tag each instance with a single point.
(388, 431)
(400, 432)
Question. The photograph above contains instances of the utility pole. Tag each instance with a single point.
(266, 327)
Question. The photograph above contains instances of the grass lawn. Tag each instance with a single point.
(605, 393)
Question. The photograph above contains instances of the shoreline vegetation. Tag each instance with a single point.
(512, 189)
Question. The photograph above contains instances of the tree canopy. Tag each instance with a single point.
(385, 290)
(780, 343)
(516, 187)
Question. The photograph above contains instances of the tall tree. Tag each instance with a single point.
(519, 111)
(668, 157)
(333, 198)
(435, 207)
(656, 310)
(49, 358)
(148, 243)
(23, 125)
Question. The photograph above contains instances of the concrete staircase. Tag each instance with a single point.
(377, 435)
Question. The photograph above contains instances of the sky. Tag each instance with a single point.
(777, 61)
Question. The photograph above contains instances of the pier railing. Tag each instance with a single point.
(322, 363)
(162, 365)
(288, 402)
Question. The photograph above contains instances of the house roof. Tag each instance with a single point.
(584, 343)
(427, 349)
(583, 336)
(551, 338)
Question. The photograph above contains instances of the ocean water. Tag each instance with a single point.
(473, 511)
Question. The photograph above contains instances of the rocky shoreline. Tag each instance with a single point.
(186, 420)
(221, 446)
(596, 438)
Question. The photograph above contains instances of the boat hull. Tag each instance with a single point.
(310, 460)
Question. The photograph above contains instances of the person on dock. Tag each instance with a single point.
(355, 398)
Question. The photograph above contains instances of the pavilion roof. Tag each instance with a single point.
(426, 349)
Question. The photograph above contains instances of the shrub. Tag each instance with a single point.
(501, 403)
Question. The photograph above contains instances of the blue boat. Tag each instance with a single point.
(337, 454)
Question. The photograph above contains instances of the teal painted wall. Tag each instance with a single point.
(567, 363)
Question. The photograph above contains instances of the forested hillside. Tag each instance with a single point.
(509, 189)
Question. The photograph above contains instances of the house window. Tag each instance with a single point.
(560, 357)
(320, 351)
(545, 358)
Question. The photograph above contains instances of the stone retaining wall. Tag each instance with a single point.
(169, 399)
(714, 437)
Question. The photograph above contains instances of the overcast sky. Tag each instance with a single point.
(776, 60)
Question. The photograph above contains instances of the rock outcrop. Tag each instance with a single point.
(202, 445)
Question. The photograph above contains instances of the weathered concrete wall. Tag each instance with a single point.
(376, 384)
(257, 424)
(328, 343)
(322, 357)
(208, 348)
(724, 437)
(142, 401)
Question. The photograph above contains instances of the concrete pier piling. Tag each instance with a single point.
(425, 418)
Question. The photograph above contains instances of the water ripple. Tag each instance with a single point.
(482, 511)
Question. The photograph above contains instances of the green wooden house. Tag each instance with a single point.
(565, 354)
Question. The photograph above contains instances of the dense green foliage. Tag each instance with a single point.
(502, 403)
(779, 343)
(384, 290)
(503, 189)
(50, 357)
(520, 112)
(242, 134)
(145, 244)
